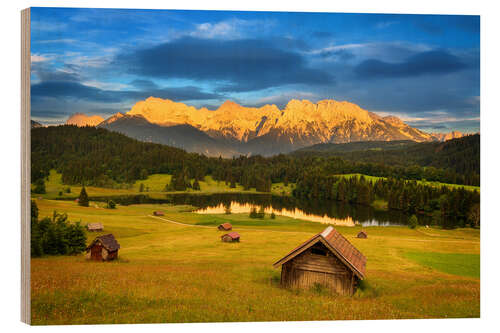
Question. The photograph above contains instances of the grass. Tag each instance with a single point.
(154, 183)
(422, 182)
(463, 264)
(176, 273)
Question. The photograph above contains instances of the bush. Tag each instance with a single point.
(273, 216)
(55, 235)
(60, 193)
(111, 204)
(253, 213)
(39, 187)
(68, 189)
(227, 210)
(413, 222)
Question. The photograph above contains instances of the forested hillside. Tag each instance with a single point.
(460, 155)
(86, 155)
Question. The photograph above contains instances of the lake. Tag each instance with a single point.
(329, 212)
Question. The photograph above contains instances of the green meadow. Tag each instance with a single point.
(182, 272)
(154, 186)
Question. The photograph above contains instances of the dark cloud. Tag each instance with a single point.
(144, 84)
(78, 91)
(431, 62)
(45, 73)
(242, 65)
(342, 54)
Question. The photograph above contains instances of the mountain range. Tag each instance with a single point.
(233, 129)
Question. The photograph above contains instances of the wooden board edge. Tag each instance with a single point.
(25, 165)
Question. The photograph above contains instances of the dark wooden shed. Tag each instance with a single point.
(327, 259)
(103, 248)
(231, 237)
(225, 227)
(362, 234)
(158, 213)
(95, 227)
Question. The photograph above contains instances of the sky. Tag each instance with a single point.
(422, 68)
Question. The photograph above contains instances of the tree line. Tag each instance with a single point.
(449, 207)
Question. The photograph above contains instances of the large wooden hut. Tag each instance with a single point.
(103, 248)
(95, 227)
(231, 237)
(326, 259)
(362, 234)
(225, 227)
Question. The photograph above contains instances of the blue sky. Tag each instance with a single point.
(421, 68)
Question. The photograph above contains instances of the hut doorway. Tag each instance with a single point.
(96, 252)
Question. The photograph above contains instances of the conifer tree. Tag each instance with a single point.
(83, 199)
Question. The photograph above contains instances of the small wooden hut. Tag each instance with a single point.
(158, 213)
(103, 248)
(327, 259)
(95, 227)
(231, 237)
(362, 234)
(225, 227)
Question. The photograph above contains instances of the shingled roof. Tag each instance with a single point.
(336, 243)
(226, 226)
(108, 242)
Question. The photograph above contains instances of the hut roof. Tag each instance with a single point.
(108, 242)
(362, 233)
(338, 245)
(93, 226)
(226, 225)
(233, 235)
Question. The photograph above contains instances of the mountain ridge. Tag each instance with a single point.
(233, 129)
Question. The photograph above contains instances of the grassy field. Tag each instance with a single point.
(423, 182)
(154, 184)
(183, 273)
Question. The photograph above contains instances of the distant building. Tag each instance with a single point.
(231, 237)
(362, 234)
(158, 213)
(225, 227)
(95, 227)
(326, 259)
(103, 248)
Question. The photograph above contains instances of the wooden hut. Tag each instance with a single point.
(327, 259)
(158, 213)
(225, 227)
(362, 234)
(95, 227)
(103, 248)
(231, 237)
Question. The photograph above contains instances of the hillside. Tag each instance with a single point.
(461, 155)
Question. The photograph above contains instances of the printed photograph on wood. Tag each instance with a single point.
(233, 166)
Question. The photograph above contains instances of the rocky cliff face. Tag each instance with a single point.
(234, 129)
(80, 119)
(447, 136)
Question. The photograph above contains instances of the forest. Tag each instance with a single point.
(97, 157)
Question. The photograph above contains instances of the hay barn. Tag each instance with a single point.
(158, 213)
(225, 227)
(231, 237)
(103, 248)
(362, 234)
(327, 259)
(95, 227)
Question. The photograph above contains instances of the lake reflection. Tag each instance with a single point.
(293, 213)
(331, 212)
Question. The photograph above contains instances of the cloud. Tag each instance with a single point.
(39, 58)
(431, 62)
(144, 84)
(37, 26)
(78, 91)
(236, 65)
(229, 29)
